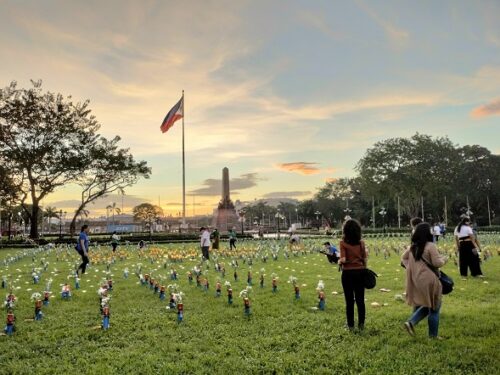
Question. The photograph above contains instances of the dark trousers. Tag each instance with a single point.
(468, 259)
(354, 290)
(85, 261)
(232, 243)
(114, 246)
(204, 252)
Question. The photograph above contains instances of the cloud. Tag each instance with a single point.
(397, 36)
(285, 194)
(300, 167)
(490, 109)
(303, 167)
(213, 186)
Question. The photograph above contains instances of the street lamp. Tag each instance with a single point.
(317, 213)
(382, 213)
(297, 214)
(60, 224)
(242, 221)
(278, 216)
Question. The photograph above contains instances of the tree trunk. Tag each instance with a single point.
(72, 226)
(34, 221)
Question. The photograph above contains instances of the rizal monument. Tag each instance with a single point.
(225, 216)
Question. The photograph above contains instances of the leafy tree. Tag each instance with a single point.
(110, 169)
(420, 166)
(46, 138)
(148, 214)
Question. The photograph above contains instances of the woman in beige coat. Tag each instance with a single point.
(423, 288)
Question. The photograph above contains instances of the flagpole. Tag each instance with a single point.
(183, 167)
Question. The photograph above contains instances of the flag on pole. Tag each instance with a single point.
(176, 113)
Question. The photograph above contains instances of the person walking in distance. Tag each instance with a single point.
(232, 239)
(83, 248)
(353, 261)
(114, 241)
(205, 242)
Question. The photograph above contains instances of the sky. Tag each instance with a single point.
(286, 94)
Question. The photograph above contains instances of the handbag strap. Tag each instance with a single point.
(431, 267)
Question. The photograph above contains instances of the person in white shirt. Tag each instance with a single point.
(436, 231)
(205, 242)
(468, 249)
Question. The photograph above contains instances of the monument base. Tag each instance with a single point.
(225, 219)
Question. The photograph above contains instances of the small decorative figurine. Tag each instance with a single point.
(223, 271)
(229, 292)
(10, 326)
(46, 298)
(125, 273)
(198, 280)
(10, 301)
(162, 293)
(77, 282)
(66, 291)
(38, 309)
(105, 317)
(249, 278)
(180, 312)
(173, 274)
(190, 277)
(275, 283)
(156, 288)
(36, 277)
(321, 295)
(4, 282)
(218, 288)
(110, 285)
(151, 283)
(261, 278)
(294, 280)
(235, 275)
(245, 294)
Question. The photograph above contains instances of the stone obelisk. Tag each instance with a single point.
(225, 216)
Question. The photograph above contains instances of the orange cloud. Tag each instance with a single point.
(490, 109)
(300, 167)
(332, 180)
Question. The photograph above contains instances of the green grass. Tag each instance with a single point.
(281, 335)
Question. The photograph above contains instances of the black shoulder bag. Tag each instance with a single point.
(445, 280)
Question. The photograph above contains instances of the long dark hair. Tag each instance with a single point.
(351, 232)
(419, 239)
(464, 221)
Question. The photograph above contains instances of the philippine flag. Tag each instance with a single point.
(176, 113)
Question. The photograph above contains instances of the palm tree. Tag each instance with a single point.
(112, 208)
(51, 212)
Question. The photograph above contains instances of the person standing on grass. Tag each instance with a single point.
(423, 288)
(414, 222)
(83, 248)
(232, 239)
(468, 249)
(115, 239)
(205, 242)
(353, 261)
(215, 239)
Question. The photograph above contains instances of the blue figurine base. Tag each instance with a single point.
(105, 322)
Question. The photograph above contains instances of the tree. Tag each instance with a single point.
(50, 213)
(414, 168)
(112, 208)
(148, 214)
(111, 169)
(46, 139)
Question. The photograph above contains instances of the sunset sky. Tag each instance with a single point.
(286, 94)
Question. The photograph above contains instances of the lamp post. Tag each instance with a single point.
(60, 224)
(297, 215)
(242, 221)
(278, 216)
(382, 213)
(317, 213)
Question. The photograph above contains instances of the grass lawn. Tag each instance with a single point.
(282, 334)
